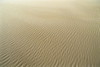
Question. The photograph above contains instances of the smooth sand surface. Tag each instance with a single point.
(50, 34)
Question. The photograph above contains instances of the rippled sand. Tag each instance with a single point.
(50, 34)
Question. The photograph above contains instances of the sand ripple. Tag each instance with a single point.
(50, 37)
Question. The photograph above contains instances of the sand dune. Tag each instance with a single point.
(50, 35)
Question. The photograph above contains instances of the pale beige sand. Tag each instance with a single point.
(50, 34)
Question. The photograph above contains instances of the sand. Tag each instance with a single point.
(50, 34)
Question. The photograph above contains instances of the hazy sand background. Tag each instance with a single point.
(50, 33)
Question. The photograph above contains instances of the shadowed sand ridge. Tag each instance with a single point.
(50, 36)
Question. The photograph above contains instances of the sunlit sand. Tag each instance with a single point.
(50, 34)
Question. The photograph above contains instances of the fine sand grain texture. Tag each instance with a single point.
(50, 33)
